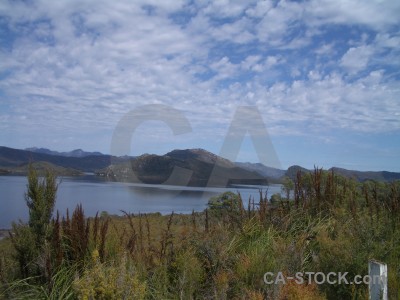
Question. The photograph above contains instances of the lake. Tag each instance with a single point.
(97, 195)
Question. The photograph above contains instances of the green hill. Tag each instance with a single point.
(10, 157)
(41, 167)
(195, 167)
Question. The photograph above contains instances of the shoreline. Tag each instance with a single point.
(256, 183)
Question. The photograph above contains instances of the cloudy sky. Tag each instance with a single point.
(324, 75)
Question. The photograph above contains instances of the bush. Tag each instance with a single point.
(333, 224)
(227, 202)
(40, 199)
(117, 280)
(29, 240)
(276, 198)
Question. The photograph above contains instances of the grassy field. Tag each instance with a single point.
(333, 224)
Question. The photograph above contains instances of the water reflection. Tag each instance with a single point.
(97, 195)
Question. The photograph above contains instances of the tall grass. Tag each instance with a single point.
(332, 224)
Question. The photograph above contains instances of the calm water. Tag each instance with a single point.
(97, 195)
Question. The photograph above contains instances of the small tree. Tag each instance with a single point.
(276, 198)
(287, 187)
(28, 241)
(40, 199)
(227, 202)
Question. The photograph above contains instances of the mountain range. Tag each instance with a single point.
(73, 153)
(11, 158)
(193, 167)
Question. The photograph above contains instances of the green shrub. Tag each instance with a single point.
(276, 198)
(226, 203)
(40, 199)
(117, 280)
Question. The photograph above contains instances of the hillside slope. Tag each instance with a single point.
(10, 157)
(194, 168)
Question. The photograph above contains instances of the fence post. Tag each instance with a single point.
(377, 272)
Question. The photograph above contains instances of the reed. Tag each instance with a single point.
(330, 224)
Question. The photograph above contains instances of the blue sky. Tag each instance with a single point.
(325, 75)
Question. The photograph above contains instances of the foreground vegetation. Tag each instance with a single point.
(331, 224)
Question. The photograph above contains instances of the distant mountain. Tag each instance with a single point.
(73, 153)
(194, 169)
(262, 169)
(194, 165)
(292, 171)
(10, 158)
(42, 150)
(41, 168)
(369, 175)
(356, 175)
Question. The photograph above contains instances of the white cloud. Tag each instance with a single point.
(275, 25)
(325, 49)
(356, 59)
(272, 60)
(86, 63)
(375, 14)
(260, 9)
(224, 68)
(250, 62)
(225, 8)
(235, 32)
(385, 40)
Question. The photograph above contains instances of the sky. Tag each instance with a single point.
(324, 76)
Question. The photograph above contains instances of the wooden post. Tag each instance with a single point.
(377, 272)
